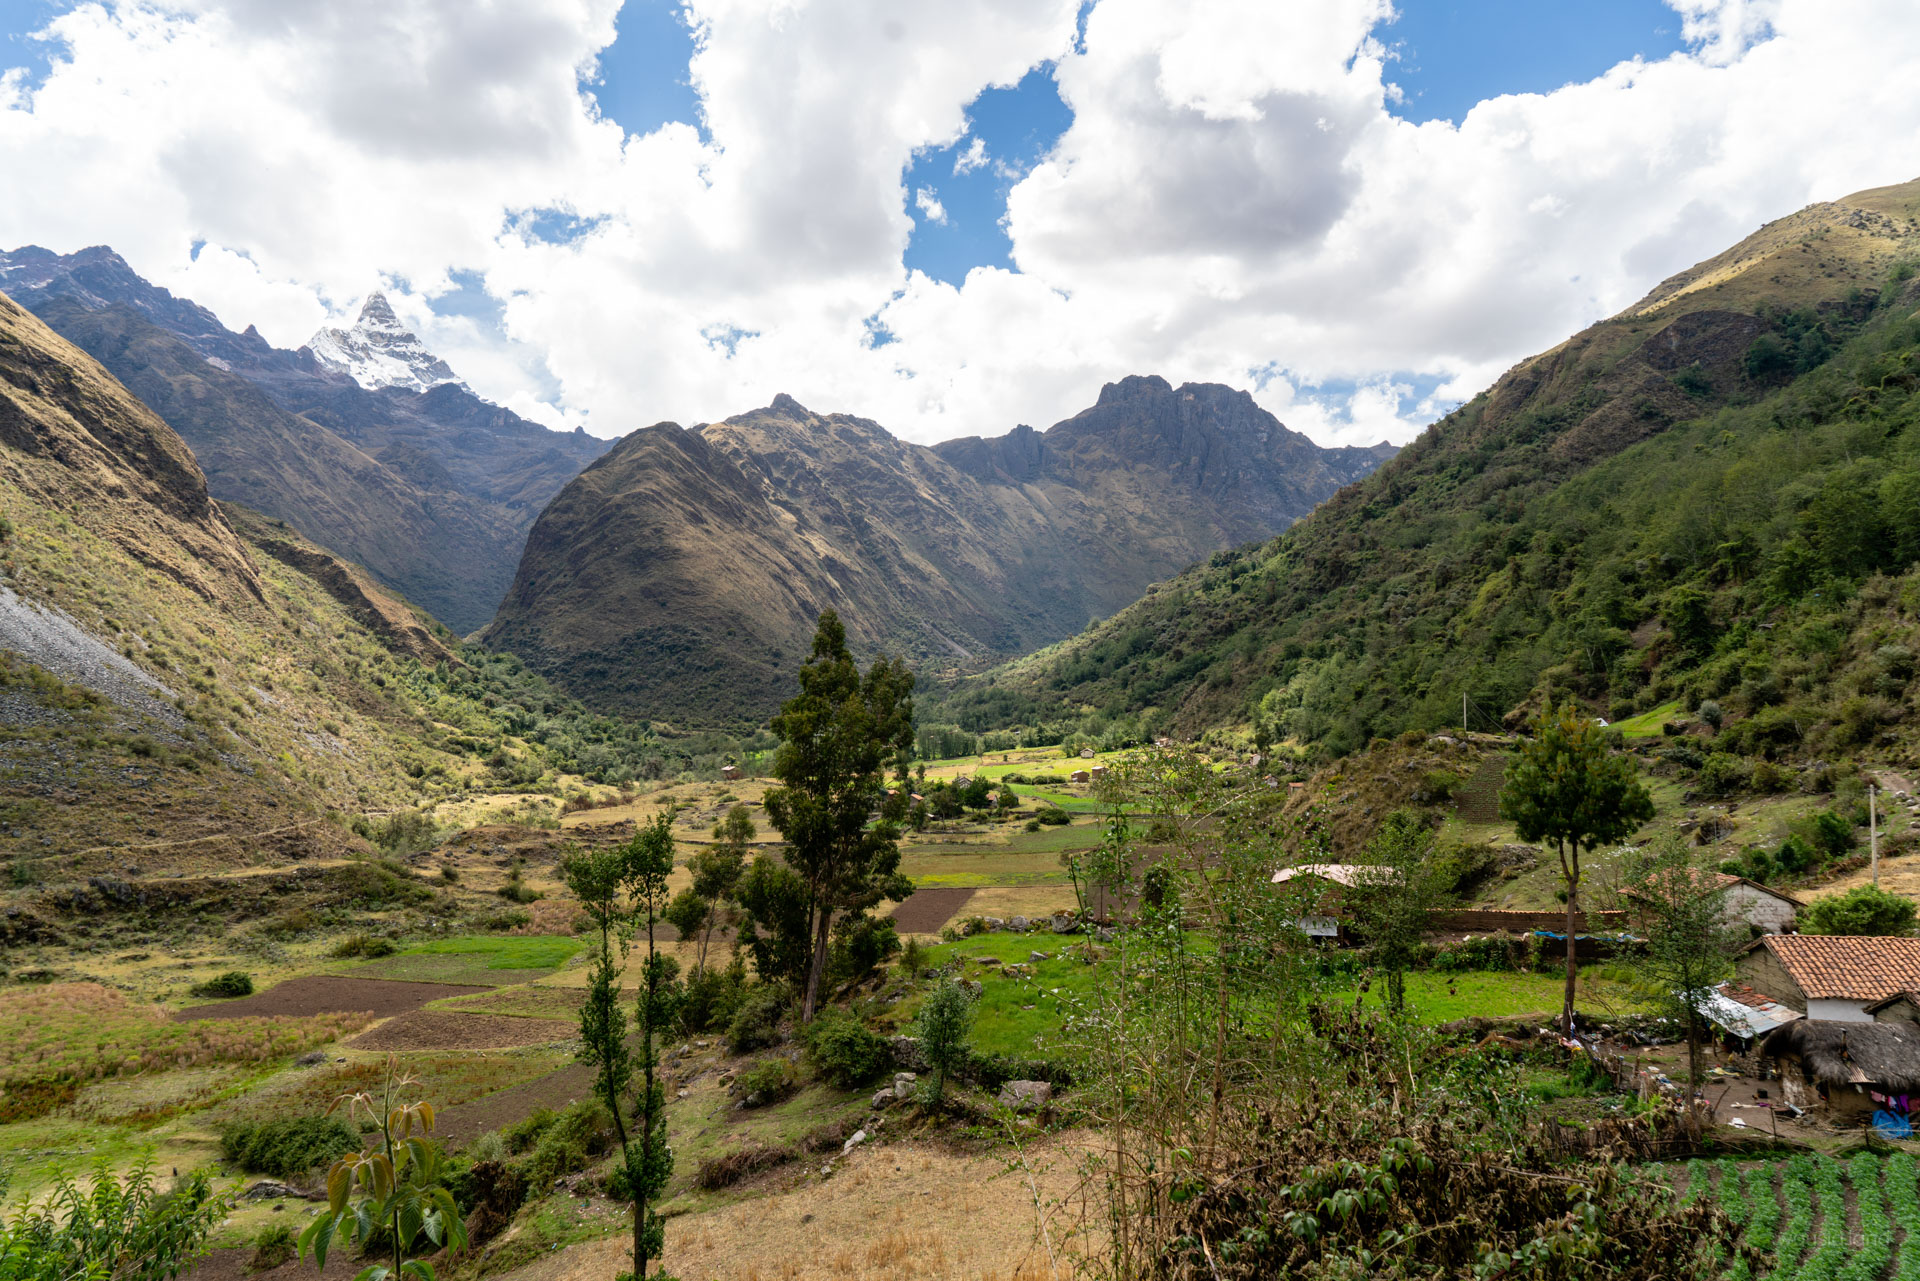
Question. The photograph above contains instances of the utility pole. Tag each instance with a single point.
(1873, 835)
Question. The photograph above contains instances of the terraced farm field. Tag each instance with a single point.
(1817, 1218)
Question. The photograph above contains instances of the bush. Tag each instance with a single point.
(1710, 713)
(1722, 774)
(492, 1192)
(285, 1149)
(845, 1051)
(526, 1132)
(1053, 816)
(1862, 910)
(756, 1024)
(364, 945)
(571, 1143)
(915, 957)
(729, 1168)
(271, 1248)
(861, 945)
(231, 984)
(713, 997)
(766, 1082)
(501, 922)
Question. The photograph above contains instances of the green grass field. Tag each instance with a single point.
(1647, 724)
(1441, 998)
(486, 960)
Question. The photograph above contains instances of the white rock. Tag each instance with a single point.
(859, 1137)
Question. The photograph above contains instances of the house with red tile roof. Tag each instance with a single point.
(1832, 977)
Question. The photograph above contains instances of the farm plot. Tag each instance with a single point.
(326, 994)
(1820, 1219)
(926, 910)
(451, 1030)
(55, 1039)
(475, 960)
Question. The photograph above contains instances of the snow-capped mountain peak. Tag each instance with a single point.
(380, 352)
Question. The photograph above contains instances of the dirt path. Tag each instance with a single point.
(905, 1212)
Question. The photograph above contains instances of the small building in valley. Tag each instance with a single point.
(1078, 776)
(1746, 902)
(731, 773)
(1324, 887)
(1097, 773)
(1830, 977)
(1853, 1069)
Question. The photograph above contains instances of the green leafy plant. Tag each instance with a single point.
(273, 1246)
(766, 1082)
(231, 984)
(401, 1193)
(120, 1228)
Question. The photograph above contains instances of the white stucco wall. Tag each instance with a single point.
(1748, 905)
(1839, 1011)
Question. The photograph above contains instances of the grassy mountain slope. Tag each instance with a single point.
(1710, 495)
(681, 575)
(189, 687)
(433, 492)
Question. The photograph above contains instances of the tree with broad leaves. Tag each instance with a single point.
(622, 889)
(837, 738)
(1565, 785)
(400, 1182)
(1393, 896)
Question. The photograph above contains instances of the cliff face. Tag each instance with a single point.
(681, 575)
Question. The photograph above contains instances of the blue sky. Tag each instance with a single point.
(1448, 55)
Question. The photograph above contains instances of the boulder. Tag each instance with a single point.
(885, 1098)
(1064, 924)
(1019, 924)
(270, 1190)
(906, 1053)
(1026, 1096)
(993, 923)
(1037, 957)
(859, 1137)
(903, 1085)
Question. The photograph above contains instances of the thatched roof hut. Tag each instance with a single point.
(1845, 1064)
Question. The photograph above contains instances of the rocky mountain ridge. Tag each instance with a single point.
(681, 574)
(432, 490)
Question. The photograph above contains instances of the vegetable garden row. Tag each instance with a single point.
(1797, 1212)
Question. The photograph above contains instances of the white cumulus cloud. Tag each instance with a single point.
(1234, 194)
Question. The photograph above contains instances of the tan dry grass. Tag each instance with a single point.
(907, 1212)
(1028, 901)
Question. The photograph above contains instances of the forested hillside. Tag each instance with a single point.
(1714, 496)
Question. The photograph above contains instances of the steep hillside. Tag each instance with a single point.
(189, 687)
(430, 487)
(1713, 495)
(680, 576)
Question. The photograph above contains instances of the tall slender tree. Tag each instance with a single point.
(837, 738)
(1393, 897)
(1680, 907)
(1567, 786)
(621, 889)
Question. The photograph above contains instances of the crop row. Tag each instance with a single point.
(1803, 1224)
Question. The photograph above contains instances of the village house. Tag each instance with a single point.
(1078, 776)
(1857, 1071)
(1325, 885)
(730, 773)
(1830, 977)
(1097, 773)
(1746, 903)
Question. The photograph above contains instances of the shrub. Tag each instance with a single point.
(729, 1168)
(501, 922)
(493, 1192)
(1862, 910)
(845, 1051)
(914, 957)
(1710, 713)
(517, 891)
(1053, 816)
(289, 924)
(364, 945)
(285, 1149)
(526, 1132)
(231, 984)
(713, 997)
(863, 942)
(273, 1247)
(578, 1135)
(1031, 825)
(756, 1024)
(1722, 774)
(491, 1146)
(766, 1082)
